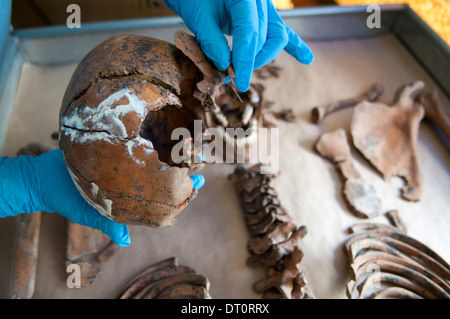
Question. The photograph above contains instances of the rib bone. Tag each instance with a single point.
(387, 263)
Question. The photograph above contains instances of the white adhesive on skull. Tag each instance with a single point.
(104, 118)
(100, 123)
(105, 211)
(139, 141)
(94, 190)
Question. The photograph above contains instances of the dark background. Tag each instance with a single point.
(37, 13)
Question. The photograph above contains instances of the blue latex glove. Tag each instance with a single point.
(29, 184)
(258, 31)
(198, 181)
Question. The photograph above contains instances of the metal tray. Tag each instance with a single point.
(50, 46)
(27, 56)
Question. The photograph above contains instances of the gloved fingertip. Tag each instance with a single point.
(298, 48)
(242, 85)
(122, 239)
(306, 58)
(217, 51)
(118, 233)
(243, 67)
(222, 63)
(198, 181)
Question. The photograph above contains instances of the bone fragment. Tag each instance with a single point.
(26, 242)
(387, 137)
(167, 280)
(87, 248)
(394, 218)
(437, 110)
(318, 113)
(361, 197)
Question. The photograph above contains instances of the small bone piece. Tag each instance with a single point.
(268, 118)
(247, 114)
(359, 195)
(386, 263)
(274, 241)
(25, 255)
(167, 280)
(26, 242)
(318, 113)
(286, 115)
(208, 88)
(437, 110)
(87, 247)
(387, 137)
(232, 76)
(394, 218)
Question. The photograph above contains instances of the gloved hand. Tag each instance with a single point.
(259, 34)
(29, 184)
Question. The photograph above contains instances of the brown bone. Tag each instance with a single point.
(401, 266)
(167, 280)
(278, 251)
(208, 88)
(359, 195)
(394, 218)
(87, 247)
(437, 110)
(154, 276)
(387, 137)
(318, 113)
(153, 290)
(274, 239)
(26, 242)
(286, 115)
(278, 233)
(285, 282)
(184, 290)
(128, 292)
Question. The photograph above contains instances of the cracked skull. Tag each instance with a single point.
(120, 107)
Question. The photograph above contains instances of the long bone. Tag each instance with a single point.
(318, 113)
(26, 242)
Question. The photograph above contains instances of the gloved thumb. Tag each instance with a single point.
(198, 181)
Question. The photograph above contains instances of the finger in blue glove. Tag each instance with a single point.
(258, 31)
(42, 183)
(198, 181)
(298, 48)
